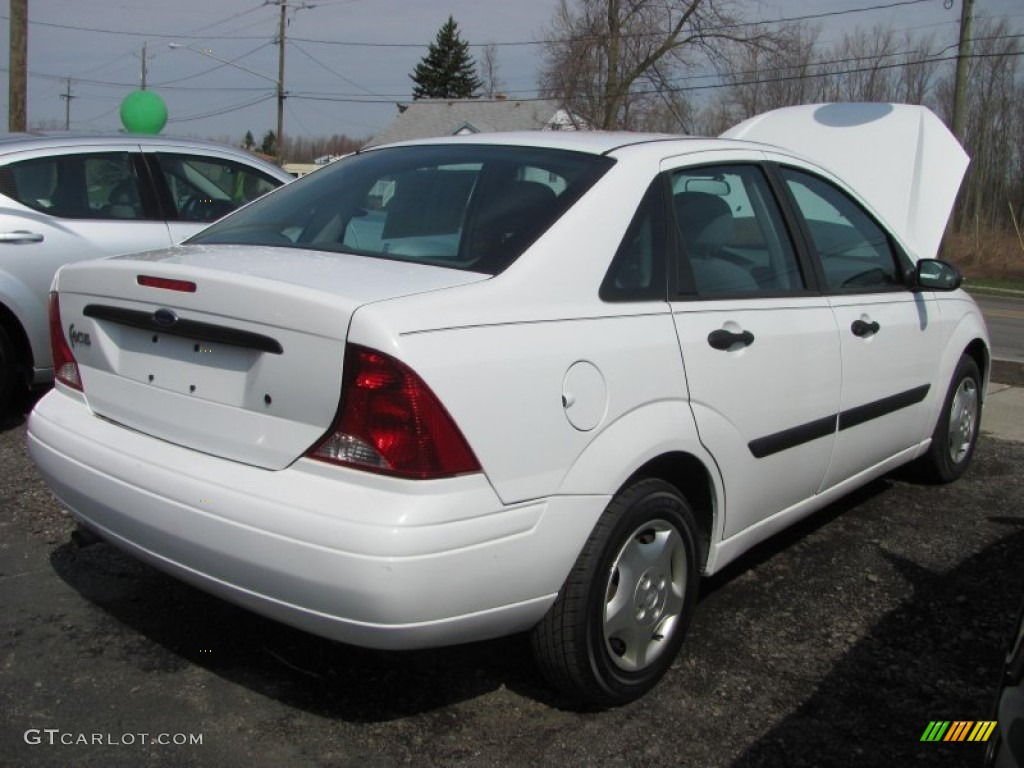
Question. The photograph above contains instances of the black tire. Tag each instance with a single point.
(956, 433)
(602, 659)
(11, 382)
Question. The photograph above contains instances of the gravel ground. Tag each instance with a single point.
(833, 644)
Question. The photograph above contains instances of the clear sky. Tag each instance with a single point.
(347, 61)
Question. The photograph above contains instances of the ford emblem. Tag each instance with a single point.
(165, 317)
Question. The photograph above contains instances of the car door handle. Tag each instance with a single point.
(20, 236)
(862, 329)
(723, 339)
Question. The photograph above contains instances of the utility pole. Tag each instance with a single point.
(145, 59)
(962, 64)
(18, 73)
(279, 141)
(280, 71)
(67, 105)
(963, 55)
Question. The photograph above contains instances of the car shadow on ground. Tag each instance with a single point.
(17, 413)
(173, 625)
(935, 657)
(182, 625)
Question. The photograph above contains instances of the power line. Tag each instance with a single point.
(222, 110)
(169, 85)
(112, 84)
(232, 17)
(317, 61)
(582, 38)
(709, 86)
(512, 43)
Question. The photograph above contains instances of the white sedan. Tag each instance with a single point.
(453, 389)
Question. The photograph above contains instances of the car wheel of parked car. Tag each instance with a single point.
(621, 615)
(10, 381)
(957, 431)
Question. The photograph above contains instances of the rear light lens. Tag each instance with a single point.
(65, 367)
(390, 422)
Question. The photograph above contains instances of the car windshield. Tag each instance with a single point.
(469, 207)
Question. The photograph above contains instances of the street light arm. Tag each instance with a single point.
(277, 81)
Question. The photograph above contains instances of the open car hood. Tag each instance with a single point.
(899, 158)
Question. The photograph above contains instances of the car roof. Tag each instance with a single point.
(29, 142)
(592, 142)
(23, 141)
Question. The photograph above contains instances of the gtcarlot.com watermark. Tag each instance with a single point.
(56, 737)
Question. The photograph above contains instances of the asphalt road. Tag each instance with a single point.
(832, 645)
(1005, 320)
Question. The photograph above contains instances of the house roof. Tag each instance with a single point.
(427, 118)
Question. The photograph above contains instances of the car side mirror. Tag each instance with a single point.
(934, 275)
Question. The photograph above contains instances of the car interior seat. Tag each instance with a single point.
(123, 201)
(706, 225)
(510, 220)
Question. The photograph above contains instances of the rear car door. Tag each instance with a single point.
(68, 204)
(760, 346)
(890, 336)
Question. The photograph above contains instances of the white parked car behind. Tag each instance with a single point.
(70, 197)
(453, 389)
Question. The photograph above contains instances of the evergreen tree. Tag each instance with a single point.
(269, 144)
(447, 71)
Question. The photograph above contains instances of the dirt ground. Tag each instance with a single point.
(832, 645)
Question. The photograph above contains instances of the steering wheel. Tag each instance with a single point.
(191, 208)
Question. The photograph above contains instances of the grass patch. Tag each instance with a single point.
(993, 256)
(994, 285)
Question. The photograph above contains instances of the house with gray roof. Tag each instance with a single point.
(427, 118)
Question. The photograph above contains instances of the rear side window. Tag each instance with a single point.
(207, 188)
(461, 206)
(855, 253)
(734, 239)
(85, 186)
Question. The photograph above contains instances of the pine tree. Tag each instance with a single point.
(269, 144)
(447, 71)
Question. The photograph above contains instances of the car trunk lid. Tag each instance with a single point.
(247, 364)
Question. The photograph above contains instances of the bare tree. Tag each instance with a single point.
(915, 78)
(488, 70)
(761, 78)
(609, 60)
(992, 131)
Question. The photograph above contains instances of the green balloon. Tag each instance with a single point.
(143, 112)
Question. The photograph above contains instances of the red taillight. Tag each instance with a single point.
(185, 286)
(65, 368)
(390, 422)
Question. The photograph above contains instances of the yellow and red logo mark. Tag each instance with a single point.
(958, 730)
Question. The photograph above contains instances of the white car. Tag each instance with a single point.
(70, 197)
(452, 389)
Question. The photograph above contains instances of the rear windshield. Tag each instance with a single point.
(467, 207)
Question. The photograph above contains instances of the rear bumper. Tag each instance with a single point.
(352, 556)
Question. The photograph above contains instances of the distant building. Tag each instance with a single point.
(427, 118)
(298, 170)
(301, 169)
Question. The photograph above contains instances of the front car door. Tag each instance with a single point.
(759, 343)
(197, 188)
(890, 336)
(68, 204)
